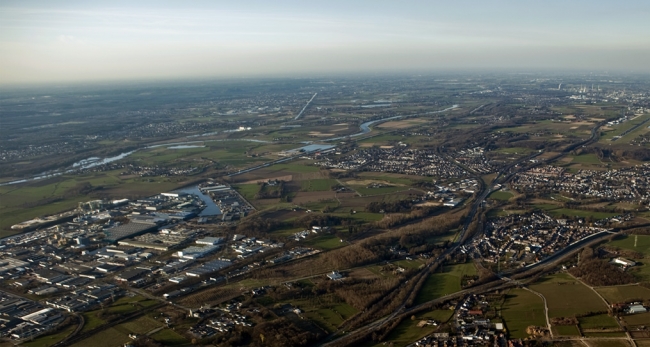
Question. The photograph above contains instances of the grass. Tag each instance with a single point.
(298, 168)
(621, 294)
(141, 325)
(557, 211)
(363, 190)
(362, 216)
(637, 319)
(642, 243)
(566, 330)
(642, 270)
(91, 321)
(586, 159)
(500, 195)
(443, 283)
(326, 242)
(601, 321)
(317, 185)
(169, 337)
(51, 339)
(327, 314)
(248, 191)
(608, 342)
(567, 297)
(109, 337)
(22, 202)
(520, 310)
(408, 332)
(515, 150)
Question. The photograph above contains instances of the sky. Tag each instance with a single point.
(71, 41)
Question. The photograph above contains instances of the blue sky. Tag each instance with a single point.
(52, 41)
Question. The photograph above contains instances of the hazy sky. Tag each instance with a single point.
(52, 41)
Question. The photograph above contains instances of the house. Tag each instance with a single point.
(334, 276)
(636, 309)
(624, 262)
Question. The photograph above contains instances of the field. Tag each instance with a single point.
(637, 319)
(642, 243)
(169, 337)
(500, 195)
(318, 185)
(565, 330)
(328, 315)
(567, 297)
(22, 202)
(110, 337)
(326, 242)
(586, 159)
(408, 332)
(557, 211)
(601, 321)
(520, 310)
(620, 294)
(642, 270)
(50, 339)
(446, 282)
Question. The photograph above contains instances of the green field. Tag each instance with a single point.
(566, 297)
(601, 321)
(317, 185)
(22, 202)
(365, 191)
(500, 195)
(91, 320)
(408, 332)
(109, 337)
(557, 211)
(326, 242)
(515, 150)
(248, 191)
(642, 270)
(627, 242)
(621, 294)
(328, 316)
(586, 159)
(520, 310)
(169, 337)
(566, 330)
(637, 319)
(295, 167)
(443, 283)
(50, 339)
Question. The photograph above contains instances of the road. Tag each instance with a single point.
(304, 108)
(503, 176)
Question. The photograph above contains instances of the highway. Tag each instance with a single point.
(503, 176)
(304, 108)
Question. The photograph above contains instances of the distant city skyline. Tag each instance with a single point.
(68, 41)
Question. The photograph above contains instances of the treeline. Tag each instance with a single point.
(597, 272)
(389, 206)
(411, 237)
(394, 220)
(270, 192)
(285, 333)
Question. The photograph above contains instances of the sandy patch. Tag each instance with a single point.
(400, 124)
(429, 203)
(368, 182)
(286, 178)
(304, 197)
(318, 133)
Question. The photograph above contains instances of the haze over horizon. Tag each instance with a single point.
(54, 41)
